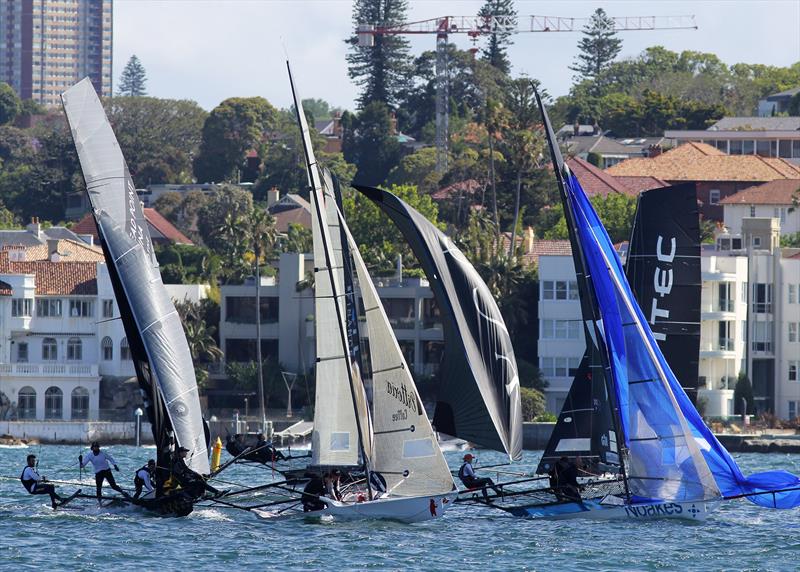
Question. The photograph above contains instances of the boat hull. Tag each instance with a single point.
(593, 509)
(403, 509)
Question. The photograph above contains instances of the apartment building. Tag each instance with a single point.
(287, 319)
(46, 46)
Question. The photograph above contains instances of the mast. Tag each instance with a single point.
(261, 404)
(318, 202)
(588, 301)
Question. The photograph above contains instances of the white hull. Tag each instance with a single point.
(404, 509)
(593, 509)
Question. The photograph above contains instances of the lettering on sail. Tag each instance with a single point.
(135, 231)
(407, 398)
(662, 283)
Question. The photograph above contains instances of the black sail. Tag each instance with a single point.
(663, 269)
(478, 398)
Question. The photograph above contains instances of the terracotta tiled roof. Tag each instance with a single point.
(778, 192)
(297, 216)
(469, 187)
(154, 218)
(595, 181)
(55, 278)
(68, 250)
(547, 248)
(701, 162)
(641, 184)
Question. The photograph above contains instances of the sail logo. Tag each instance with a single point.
(666, 509)
(135, 231)
(400, 393)
(662, 283)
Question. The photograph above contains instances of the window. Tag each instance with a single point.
(744, 292)
(726, 297)
(22, 352)
(762, 298)
(793, 370)
(726, 336)
(762, 337)
(785, 149)
(81, 308)
(107, 349)
(735, 147)
(108, 308)
(796, 149)
(74, 349)
(559, 290)
(713, 196)
(792, 294)
(21, 307)
(400, 312)
(744, 330)
(49, 349)
(560, 329)
(752, 210)
(559, 366)
(748, 147)
(53, 403)
(26, 403)
(80, 403)
(763, 148)
(48, 308)
(124, 350)
(242, 309)
(792, 331)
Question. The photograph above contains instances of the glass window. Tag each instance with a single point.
(48, 308)
(400, 312)
(26, 403)
(548, 290)
(713, 196)
(762, 337)
(561, 290)
(107, 348)
(762, 298)
(725, 302)
(80, 403)
(22, 352)
(748, 147)
(546, 365)
(752, 210)
(735, 147)
(726, 336)
(744, 292)
(785, 149)
(431, 315)
(124, 350)
(53, 403)
(81, 308)
(793, 370)
(49, 349)
(796, 149)
(108, 308)
(573, 290)
(74, 349)
(21, 307)
(792, 410)
(763, 148)
(792, 294)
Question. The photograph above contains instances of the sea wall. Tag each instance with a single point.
(76, 431)
(536, 435)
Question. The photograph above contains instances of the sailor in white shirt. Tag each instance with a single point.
(102, 463)
(35, 484)
(143, 479)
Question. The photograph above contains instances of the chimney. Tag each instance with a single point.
(654, 150)
(576, 128)
(596, 128)
(52, 250)
(34, 227)
(273, 195)
(337, 124)
(528, 239)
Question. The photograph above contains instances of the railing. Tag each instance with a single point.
(725, 305)
(48, 369)
(726, 344)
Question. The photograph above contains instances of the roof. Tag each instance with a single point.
(700, 162)
(604, 145)
(68, 250)
(756, 124)
(154, 218)
(784, 94)
(547, 248)
(470, 187)
(55, 278)
(291, 209)
(25, 237)
(778, 192)
(5, 289)
(640, 184)
(595, 181)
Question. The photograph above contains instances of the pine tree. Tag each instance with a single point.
(499, 41)
(133, 78)
(599, 46)
(381, 71)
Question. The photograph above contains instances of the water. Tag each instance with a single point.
(739, 536)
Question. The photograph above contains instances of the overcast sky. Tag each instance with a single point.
(209, 50)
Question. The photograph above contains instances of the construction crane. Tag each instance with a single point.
(475, 26)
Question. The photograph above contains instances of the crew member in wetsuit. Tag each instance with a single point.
(467, 476)
(332, 484)
(191, 481)
(565, 475)
(266, 452)
(314, 489)
(144, 479)
(36, 484)
(102, 463)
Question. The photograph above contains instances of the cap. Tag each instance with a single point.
(468, 457)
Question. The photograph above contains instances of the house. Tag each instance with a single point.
(715, 174)
(289, 209)
(609, 151)
(35, 234)
(161, 230)
(776, 137)
(775, 199)
(331, 130)
(777, 102)
(597, 182)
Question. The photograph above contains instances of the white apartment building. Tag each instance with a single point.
(287, 319)
(750, 312)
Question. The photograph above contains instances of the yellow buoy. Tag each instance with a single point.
(216, 454)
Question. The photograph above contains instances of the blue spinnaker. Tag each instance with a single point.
(672, 451)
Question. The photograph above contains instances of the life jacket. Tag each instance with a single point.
(27, 483)
(137, 480)
(461, 472)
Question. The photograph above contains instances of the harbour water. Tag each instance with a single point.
(739, 536)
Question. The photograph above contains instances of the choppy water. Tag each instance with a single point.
(739, 536)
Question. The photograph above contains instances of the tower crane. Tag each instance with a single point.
(475, 26)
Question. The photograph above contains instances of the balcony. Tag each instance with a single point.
(724, 348)
(48, 370)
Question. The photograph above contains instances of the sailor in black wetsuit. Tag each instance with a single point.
(266, 452)
(35, 484)
(311, 493)
(144, 479)
(565, 474)
(192, 482)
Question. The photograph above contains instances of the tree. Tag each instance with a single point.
(200, 338)
(221, 209)
(743, 392)
(419, 169)
(7, 219)
(234, 127)
(298, 239)
(794, 105)
(10, 104)
(616, 211)
(380, 70)
(370, 144)
(499, 40)
(533, 404)
(599, 46)
(133, 79)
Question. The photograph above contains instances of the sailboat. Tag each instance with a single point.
(406, 477)
(158, 345)
(668, 463)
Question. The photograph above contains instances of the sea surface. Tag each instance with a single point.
(739, 536)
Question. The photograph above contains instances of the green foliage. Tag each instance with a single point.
(370, 144)
(794, 105)
(595, 159)
(743, 390)
(244, 376)
(298, 239)
(418, 169)
(498, 42)
(791, 240)
(598, 46)
(10, 104)
(533, 404)
(133, 80)
(234, 127)
(546, 417)
(531, 376)
(7, 219)
(616, 211)
(380, 71)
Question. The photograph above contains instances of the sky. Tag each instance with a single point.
(209, 50)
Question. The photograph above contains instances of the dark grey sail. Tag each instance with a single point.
(478, 397)
(663, 269)
(161, 354)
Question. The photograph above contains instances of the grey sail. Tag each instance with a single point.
(155, 333)
(478, 395)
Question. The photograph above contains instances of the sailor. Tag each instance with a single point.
(266, 451)
(143, 479)
(102, 463)
(314, 489)
(35, 484)
(565, 475)
(332, 484)
(467, 475)
(191, 481)
(377, 482)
